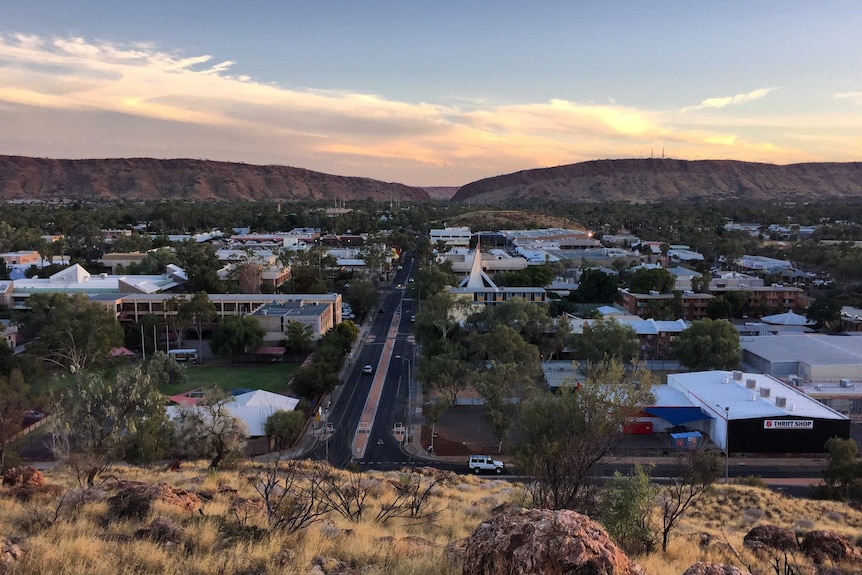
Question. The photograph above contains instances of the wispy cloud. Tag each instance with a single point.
(855, 97)
(723, 102)
(74, 97)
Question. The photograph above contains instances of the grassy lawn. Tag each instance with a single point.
(271, 377)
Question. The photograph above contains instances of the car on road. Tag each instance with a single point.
(412, 319)
(480, 463)
(367, 368)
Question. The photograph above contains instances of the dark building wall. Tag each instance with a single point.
(749, 436)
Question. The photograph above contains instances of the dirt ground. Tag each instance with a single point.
(460, 431)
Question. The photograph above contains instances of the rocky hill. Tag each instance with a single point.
(152, 179)
(654, 180)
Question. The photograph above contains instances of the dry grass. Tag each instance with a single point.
(84, 540)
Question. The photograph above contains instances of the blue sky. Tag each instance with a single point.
(431, 93)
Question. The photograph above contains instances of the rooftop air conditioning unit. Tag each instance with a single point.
(737, 376)
(794, 380)
(819, 386)
(752, 397)
(764, 392)
(726, 380)
(844, 382)
(780, 402)
(750, 383)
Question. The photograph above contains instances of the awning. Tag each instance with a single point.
(678, 415)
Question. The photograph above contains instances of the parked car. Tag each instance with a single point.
(480, 463)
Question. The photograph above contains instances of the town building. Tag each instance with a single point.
(756, 413)
(655, 337)
(479, 289)
(689, 306)
(275, 318)
(453, 237)
(492, 261)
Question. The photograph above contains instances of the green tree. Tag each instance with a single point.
(596, 286)
(362, 296)
(604, 339)
(842, 476)
(201, 265)
(562, 437)
(315, 380)
(197, 312)
(15, 393)
(708, 344)
(719, 308)
(284, 427)
(73, 332)
(431, 279)
(647, 280)
(447, 373)
(298, 338)
(209, 430)
(97, 414)
(165, 371)
(626, 508)
(531, 321)
(235, 335)
(826, 312)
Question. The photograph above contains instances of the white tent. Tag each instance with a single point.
(253, 408)
(788, 318)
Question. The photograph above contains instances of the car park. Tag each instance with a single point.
(480, 463)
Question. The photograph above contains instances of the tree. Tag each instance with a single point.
(647, 280)
(448, 372)
(826, 312)
(531, 276)
(201, 265)
(362, 296)
(284, 427)
(437, 319)
(15, 393)
(595, 286)
(72, 331)
(298, 338)
(315, 380)
(708, 344)
(842, 477)
(234, 335)
(603, 339)
(564, 436)
(696, 472)
(197, 312)
(209, 430)
(431, 279)
(531, 321)
(97, 414)
(719, 308)
(165, 371)
(626, 508)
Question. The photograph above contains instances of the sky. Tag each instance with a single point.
(435, 93)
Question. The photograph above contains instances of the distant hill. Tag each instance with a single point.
(152, 179)
(441, 192)
(654, 180)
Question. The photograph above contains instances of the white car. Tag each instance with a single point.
(367, 368)
(480, 463)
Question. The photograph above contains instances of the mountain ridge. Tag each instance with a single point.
(653, 180)
(108, 179)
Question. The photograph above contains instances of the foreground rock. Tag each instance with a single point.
(701, 568)
(546, 542)
(24, 475)
(10, 553)
(771, 537)
(826, 546)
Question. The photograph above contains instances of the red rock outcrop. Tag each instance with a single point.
(824, 546)
(24, 475)
(771, 537)
(701, 568)
(540, 541)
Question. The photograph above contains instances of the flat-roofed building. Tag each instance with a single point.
(455, 237)
(756, 413)
(689, 306)
(275, 318)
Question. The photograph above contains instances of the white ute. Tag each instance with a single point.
(480, 463)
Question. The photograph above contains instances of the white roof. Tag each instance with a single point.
(253, 408)
(811, 349)
(709, 390)
(788, 318)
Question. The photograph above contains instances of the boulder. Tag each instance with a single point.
(823, 546)
(188, 500)
(701, 568)
(544, 542)
(330, 566)
(771, 537)
(24, 475)
(10, 553)
(161, 530)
